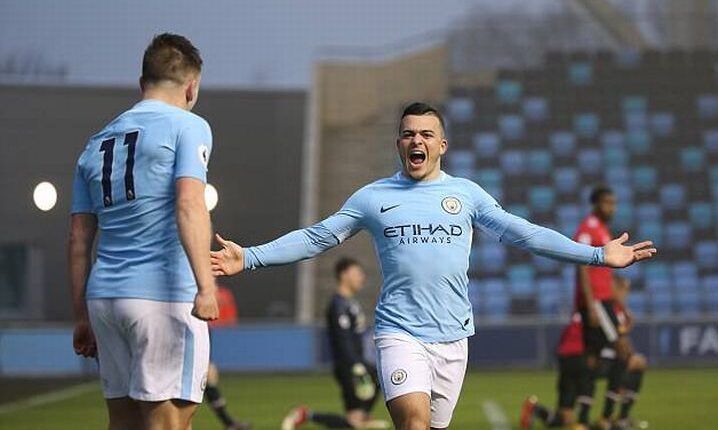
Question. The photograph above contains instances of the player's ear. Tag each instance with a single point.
(443, 146)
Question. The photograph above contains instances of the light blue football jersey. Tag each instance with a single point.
(422, 233)
(126, 176)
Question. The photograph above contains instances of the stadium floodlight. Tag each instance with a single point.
(211, 197)
(45, 196)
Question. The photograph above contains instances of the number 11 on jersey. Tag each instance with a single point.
(108, 148)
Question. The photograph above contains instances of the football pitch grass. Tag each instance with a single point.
(671, 399)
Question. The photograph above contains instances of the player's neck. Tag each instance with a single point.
(174, 98)
(434, 175)
(345, 291)
(599, 217)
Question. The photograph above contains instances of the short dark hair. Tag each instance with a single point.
(421, 108)
(169, 57)
(598, 192)
(344, 264)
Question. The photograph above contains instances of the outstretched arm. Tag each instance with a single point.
(549, 243)
(290, 248)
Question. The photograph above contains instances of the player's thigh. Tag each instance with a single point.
(403, 366)
(410, 411)
(113, 350)
(449, 362)
(124, 414)
(170, 351)
(167, 415)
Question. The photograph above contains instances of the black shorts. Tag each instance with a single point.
(349, 384)
(597, 338)
(573, 377)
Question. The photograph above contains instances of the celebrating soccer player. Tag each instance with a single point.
(422, 221)
(140, 182)
(357, 378)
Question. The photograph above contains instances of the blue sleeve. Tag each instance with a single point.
(81, 200)
(308, 242)
(490, 217)
(194, 145)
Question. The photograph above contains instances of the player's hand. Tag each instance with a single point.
(618, 255)
(205, 306)
(83, 340)
(229, 260)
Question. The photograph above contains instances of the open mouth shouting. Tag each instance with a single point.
(416, 158)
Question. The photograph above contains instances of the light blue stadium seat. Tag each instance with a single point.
(489, 177)
(634, 272)
(648, 212)
(710, 291)
(644, 178)
(490, 257)
(656, 269)
(590, 161)
(513, 162)
(496, 307)
(493, 287)
(649, 230)
(586, 124)
(708, 106)
(662, 123)
(613, 139)
(639, 141)
(542, 198)
(634, 104)
(713, 177)
(486, 144)
(461, 109)
(508, 91)
(689, 304)
(539, 162)
(580, 73)
(635, 121)
(678, 235)
(535, 109)
(568, 217)
(521, 280)
(461, 159)
(549, 296)
(566, 179)
(615, 156)
(462, 172)
(684, 270)
(519, 210)
(495, 191)
(701, 214)
(710, 140)
(628, 58)
(624, 193)
(692, 159)
(543, 264)
(638, 303)
(673, 196)
(619, 176)
(624, 217)
(568, 280)
(563, 143)
(661, 304)
(511, 126)
(658, 285)
(706, 254)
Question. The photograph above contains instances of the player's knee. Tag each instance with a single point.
(567, 417)
(212, 374)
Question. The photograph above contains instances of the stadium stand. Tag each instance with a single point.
(536, 139)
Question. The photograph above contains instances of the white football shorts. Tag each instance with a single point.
(408, 365)
(150, 350)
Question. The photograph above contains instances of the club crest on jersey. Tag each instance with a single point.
(451, 205)
(203, 152)
(398, 377)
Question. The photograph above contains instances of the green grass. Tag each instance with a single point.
(671, 399)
